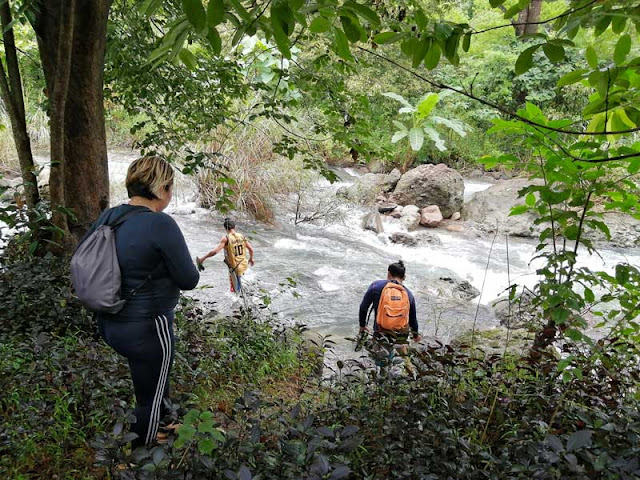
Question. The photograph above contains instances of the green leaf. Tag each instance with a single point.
(525, 60)
(206, 445)
(237, 6)
(363, 12)
(186, 432)
(580, 439)
(515, 9)
(571, 78)
(618, 23)
(215, 12)
(400, 126)
(592, 57)
(451, 48)
(435, 137)
(496, 3)
(195, 14)
(398, 98)
(342, 44)
(427, 104)
(319, 25)
(188, 59)
(399, 135)
(214, 40)
(589, 295)
(518, 210)
(466, 42)
(530, 199)
(416, 138)
(352, 28)
(623, 47)
(280, 17)
(388, 37)
(555, 53)
(432, 58)
(420, 51)
(456, 125)
(573, 334)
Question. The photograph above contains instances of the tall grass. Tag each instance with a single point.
(245, 155)
(37, 128)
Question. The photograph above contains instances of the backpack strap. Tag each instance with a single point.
(123, 217)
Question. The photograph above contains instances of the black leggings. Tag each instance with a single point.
(148, 345)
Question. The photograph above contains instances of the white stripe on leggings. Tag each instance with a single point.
(162, 328)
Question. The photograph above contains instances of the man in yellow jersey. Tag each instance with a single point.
(235, 247)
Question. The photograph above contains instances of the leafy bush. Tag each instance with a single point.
(36, 296)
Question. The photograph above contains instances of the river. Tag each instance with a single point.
(332, 265)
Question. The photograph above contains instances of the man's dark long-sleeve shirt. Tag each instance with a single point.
(372, 297)
(150, 243)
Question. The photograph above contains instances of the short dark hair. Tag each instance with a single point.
(229, 224)
(397, 269)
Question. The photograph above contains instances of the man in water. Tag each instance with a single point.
(235, 247)
(394, 307)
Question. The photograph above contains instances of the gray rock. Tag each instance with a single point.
(391, 180)
(490, 209)
(410, 217)
(520, 314)
(377, 166)
(372, 221)
(624, 229)
(430, 216)
(431, 185)
(386, 208)
(462, 288)
(427, 237)
(365, 189)
(403, 239)
(455, 216)
(397, 212)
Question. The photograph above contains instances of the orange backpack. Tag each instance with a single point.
(393, 309)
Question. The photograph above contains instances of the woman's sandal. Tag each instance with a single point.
(164, 432)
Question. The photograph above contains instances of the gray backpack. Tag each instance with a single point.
(95, 272)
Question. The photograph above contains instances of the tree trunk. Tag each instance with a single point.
(535, 7)
(526, 23)
(13, 98)
(86, 175)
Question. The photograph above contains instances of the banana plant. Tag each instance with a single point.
(420, 123)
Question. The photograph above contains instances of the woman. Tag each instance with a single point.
(155, 265)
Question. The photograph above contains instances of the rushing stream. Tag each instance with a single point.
(334, 264)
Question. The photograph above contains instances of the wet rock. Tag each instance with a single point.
(431, 185)
(386, 208)
(403, 239)
(463, 288)
(372, 221)
(410, 217)
(427, 237)
(365, 189)
(430, 216)
(391, 180)
(397, 212)
(455, 216)
(495, 341)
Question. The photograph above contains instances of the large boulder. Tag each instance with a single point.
(391, 180)
(431, 185)
(365, 189)
(624, 229)
(430, 216)
(372, 221)
(490, 209)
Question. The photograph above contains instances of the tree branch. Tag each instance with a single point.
(495, 106)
